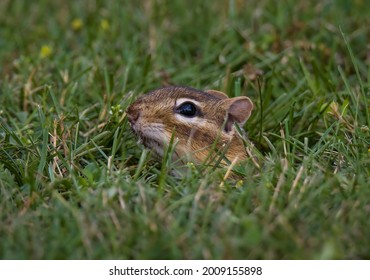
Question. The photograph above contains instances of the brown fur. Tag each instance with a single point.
(153, 118)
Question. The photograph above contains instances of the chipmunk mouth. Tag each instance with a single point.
(152, 136)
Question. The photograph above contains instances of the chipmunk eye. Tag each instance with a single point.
(187, 109)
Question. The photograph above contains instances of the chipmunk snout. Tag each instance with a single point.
(132, 115)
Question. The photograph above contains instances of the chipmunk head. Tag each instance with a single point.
(196, 118)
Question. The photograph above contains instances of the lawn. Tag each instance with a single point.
(75, 184)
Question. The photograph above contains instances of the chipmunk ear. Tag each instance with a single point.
(238, 109)
(217, 93)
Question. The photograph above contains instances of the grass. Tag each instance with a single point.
(74, 184)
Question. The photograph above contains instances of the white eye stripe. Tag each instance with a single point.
(194, 120)
(183, 100)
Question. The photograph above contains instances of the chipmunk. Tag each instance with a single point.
(199, 120)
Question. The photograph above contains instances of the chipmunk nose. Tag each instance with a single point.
(132, 115)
